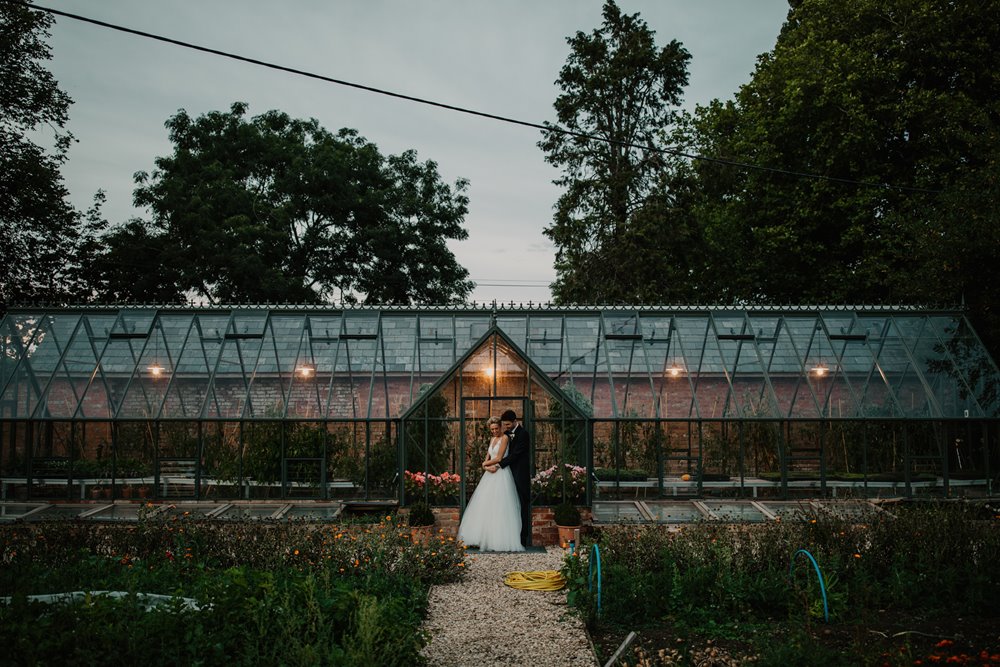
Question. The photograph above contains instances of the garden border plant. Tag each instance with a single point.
(924, 561)
(271, 592)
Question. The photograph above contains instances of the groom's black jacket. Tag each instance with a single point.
(517, 459)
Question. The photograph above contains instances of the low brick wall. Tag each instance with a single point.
(543, 525)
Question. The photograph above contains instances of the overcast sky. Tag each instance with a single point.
(496, 56)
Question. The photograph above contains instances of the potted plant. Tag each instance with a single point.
(421, 521)
(567, 518)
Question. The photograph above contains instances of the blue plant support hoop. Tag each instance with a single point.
(595, 556)
(819, 576)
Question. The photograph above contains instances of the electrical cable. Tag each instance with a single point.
(482, 114)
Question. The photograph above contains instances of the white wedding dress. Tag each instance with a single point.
(492, 519)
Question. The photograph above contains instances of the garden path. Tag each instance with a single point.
(480, 621)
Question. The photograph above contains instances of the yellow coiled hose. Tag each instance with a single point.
(542, 580)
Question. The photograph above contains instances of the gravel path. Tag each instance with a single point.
(483, 622)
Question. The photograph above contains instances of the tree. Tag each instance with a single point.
(898, 93)
(274, 209)
(617, 211)
(43, 235)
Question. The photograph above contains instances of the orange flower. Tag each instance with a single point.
(857, 555)
(944, 643)
(296, 552)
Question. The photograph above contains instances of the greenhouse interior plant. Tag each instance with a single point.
(421, 520)
(567, 518)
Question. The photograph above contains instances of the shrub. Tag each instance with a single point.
(421, 514)
(271, 593)
(872, 563)
(566, 514)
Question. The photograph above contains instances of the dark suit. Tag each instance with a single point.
(518, 459)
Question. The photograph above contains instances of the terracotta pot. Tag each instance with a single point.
(421, 534)
(568, 534)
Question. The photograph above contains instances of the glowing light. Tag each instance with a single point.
(675, 371)
(488, 371)
(819, 370)
(155, 369)
(305, 371)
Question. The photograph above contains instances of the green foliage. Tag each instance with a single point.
(427, 435)
(928, 558)
(622, 475)
(571, 481)
(566, 514)
(614, 215)
(289, 593)
(894, 92)
(276, 209)
(46, 242)
(421, 514)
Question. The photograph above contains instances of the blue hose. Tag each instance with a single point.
(595, 554)
(819, 575)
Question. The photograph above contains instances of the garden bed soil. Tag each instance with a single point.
(894, 639)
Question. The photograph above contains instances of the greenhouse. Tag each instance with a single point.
(390, 403)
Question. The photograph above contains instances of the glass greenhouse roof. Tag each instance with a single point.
(317, 363)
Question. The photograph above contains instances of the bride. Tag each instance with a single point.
(492, 520)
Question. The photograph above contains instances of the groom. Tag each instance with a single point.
(519, 460)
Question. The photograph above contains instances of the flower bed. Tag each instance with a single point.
(896, 584)
(267, 593)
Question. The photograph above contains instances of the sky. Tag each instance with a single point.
(498, 57)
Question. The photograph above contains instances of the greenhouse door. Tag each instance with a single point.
(475, 435)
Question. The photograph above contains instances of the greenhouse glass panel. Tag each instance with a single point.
(807, 368)
(68, 383)
(17, 334)
(581, 344)
(515, 328)
(905, 380)
(437, 345)
(399, 343)
(309, 401)
(157, 368)
(38, 364)
(545, 343)
(279, 350)
(974, 364)
(195, 363)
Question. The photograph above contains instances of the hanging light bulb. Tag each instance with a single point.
(305, 371)
(155, 369)
(819, 370)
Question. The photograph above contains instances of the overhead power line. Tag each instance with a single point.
(482, 114)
